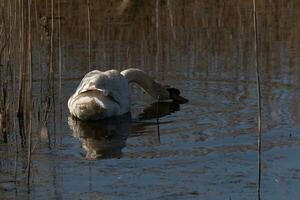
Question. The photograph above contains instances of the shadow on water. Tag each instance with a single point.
(104, 139)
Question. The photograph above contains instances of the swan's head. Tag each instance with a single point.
(89, 108)
(89, 105)
(174, 94)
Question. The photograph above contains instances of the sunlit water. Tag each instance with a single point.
(204, 149)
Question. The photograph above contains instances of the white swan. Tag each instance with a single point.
(105, 94)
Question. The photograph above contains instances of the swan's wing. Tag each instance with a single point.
(84, 85)
(86, 81)
(110, 83)
(113, 84)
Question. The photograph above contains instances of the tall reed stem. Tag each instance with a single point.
(157, 34)
(89, 31)
(50, 93)
(51, 82)
(29, 106)
(21, 98)
(258, 99)
(171, 19)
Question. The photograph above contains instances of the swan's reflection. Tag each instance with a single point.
(106, 138)
(103, 138)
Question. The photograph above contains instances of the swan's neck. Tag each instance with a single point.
(155, 89)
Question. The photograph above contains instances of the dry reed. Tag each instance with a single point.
(89, 31)
(22, 72)
(258, 98)
(49, 36)
(3, 82)
(29, 93)
(171, 19)
(157, 35)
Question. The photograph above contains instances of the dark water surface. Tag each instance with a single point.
(204, 149)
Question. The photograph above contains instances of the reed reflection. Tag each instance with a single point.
(106, 138)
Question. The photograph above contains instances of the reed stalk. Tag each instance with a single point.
(21, 99)
(49, 40)
(29, 92)
(3, 111)
(21, 59)
(89, 31)
(258, 85)
(9, 47)
(59, 65)
(51, 70)
(15, 26)
(3, 80)
(51, 44)
(171, 19)
(37, 27)
(157, 34)
(157, 121)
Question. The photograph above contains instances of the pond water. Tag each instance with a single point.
(203, 149)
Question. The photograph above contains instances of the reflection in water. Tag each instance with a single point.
(159, 109)
(106, 138)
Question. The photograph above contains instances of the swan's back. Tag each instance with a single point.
(113, 92)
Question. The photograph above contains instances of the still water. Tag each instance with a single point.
(204, 149)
